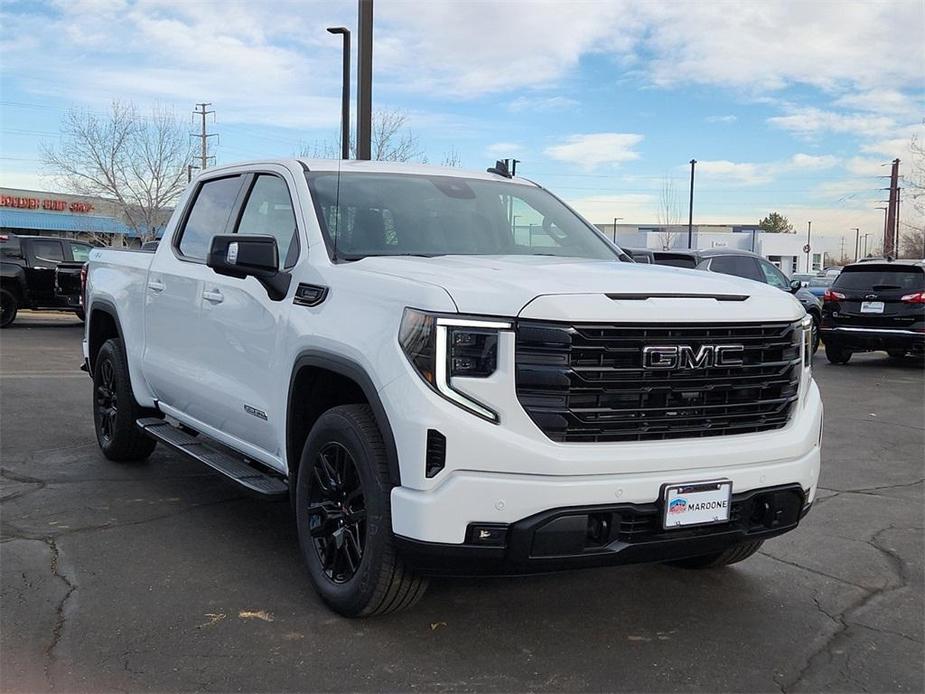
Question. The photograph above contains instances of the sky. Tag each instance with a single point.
(793, 107)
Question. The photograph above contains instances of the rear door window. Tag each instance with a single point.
(208, 216)
(47, 252)
(737, 265)
(773, 276)
(80, 252)
(676, 260)
(904, 278)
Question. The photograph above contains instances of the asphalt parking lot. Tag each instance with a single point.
(162, 576)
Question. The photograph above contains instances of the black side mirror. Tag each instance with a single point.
(238, 255)
(795, 286)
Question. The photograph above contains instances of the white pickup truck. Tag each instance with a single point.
(451, 372)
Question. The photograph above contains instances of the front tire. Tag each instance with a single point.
(731, 555)
(114, 408)
(343, 512)
(836, 354)
(816, 335)
(9, 305)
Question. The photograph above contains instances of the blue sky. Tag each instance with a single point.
(788, 106)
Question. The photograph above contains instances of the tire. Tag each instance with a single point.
(343, 513)
(114, 408)
(896, 353)
(836, 354)
(732, 555)
(9, 305)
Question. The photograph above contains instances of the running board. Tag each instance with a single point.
(233, 467)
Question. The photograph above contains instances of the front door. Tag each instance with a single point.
(247, 381)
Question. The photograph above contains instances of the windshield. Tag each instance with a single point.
(378, 214)
(870, 276)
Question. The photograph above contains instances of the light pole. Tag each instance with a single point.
(615, 220)
(857, 243)
(365, 80)
(345, 93)
(809, 233)
(866, 236)
(690, 210)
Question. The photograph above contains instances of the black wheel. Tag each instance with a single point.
(114, 408)
(9, 305)
(732, 555)
(896, 353)
(344, 517)
(836, 354)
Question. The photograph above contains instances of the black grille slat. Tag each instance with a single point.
(585, 383)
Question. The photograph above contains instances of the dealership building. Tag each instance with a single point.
(786, 251)
(33, 212)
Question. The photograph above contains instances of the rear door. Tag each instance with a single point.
(873, 295)
(42, 257)
(175, 341)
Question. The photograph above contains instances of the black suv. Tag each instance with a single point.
(875, 306)
(750, 266)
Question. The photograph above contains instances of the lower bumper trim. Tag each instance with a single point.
(591, 536)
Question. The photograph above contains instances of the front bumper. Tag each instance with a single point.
(874, 338)
(591, 536)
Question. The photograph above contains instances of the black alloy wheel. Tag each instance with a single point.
(8, 308)
(337, 512)
(107, 402)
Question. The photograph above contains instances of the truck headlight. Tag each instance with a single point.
(807, 329)
(443, 347)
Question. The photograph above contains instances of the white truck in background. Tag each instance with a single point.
(452, 372)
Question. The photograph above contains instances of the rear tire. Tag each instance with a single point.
(343, 512)
(836, 354)
(114, 408)
(732, 555)
(9, 305)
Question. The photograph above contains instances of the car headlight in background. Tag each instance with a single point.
(443, 347)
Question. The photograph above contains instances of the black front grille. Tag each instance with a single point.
(586, 383)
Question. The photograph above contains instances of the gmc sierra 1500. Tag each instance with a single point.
(452, 372)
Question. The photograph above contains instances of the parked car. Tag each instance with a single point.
(875, 306)
(640, 255)
(40, 273)
(814, 284)
(748, 266)
(440, 391)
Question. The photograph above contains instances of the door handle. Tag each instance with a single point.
(213, 295)
(156, 285)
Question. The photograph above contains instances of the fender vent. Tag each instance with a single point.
(309, 295)
(435, 458)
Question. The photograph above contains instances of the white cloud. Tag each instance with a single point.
(721, 119)
(888, 101)
(749, 173)
(811, 121)
(504, 149)
(594, 149)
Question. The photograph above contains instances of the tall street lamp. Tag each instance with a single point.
(615, 220)
(857, 244)
(345, 94)
(690, 210)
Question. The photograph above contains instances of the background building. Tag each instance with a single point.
(96, 220)
(784, 250)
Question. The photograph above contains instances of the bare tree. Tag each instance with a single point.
(392, 140)
(451, 158)
(912, 232)
(669, 212)
(137, 161)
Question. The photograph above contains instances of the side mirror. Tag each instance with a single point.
(795, 286)
(238, 255)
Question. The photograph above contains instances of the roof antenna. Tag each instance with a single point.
(501, 168)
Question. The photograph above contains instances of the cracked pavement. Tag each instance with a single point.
(149, 577)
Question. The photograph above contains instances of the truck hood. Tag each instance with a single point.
(576, 289)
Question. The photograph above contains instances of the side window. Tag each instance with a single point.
(773, 276)
(269, 212)
(738, 265)
(48, 253)
(209, 215)
(80, 252)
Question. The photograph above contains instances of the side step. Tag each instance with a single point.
(229, 465)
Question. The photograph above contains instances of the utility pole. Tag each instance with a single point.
(690, 210)
(857, 244)
(345, 93)
(889, 227)
(808, 248)
(201, 111)
(365, 80)
(896, 235)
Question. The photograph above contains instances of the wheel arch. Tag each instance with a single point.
(102, 324)
(317, 367)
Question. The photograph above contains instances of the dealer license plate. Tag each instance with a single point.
(871, 307)
(697, 503)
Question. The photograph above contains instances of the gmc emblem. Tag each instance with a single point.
(687, 357)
